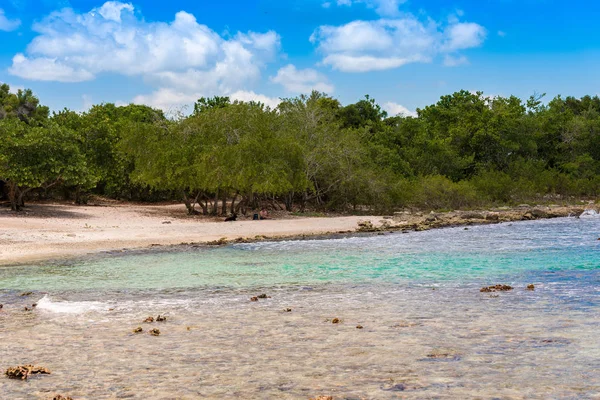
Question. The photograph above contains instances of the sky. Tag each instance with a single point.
(404, 53)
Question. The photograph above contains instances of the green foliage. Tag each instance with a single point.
(467, 150)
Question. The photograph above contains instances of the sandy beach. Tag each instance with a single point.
(55, 231)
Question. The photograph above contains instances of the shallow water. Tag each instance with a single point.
(427, 330)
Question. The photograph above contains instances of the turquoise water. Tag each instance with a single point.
(440, 256)
(427, 330)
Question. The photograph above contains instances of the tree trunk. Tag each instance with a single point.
(233, 202)
(189, 204)
(224, 204)
(13, 195)
(289, 201)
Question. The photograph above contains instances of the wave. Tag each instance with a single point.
(70, 307)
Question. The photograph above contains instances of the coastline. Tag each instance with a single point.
(47, 232)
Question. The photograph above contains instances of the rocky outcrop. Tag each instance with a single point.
(22, 372)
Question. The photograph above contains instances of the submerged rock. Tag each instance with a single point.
(496, 288)
(359, 326)
(138, 330)
(155, 332)
(59, 397)
(149, 320)
(531, 287)
(161, 318)
(22, 372)
(254, 298)
(335, 321)
(287, 310)
(2, 305)
(263, 296)
(26, 294)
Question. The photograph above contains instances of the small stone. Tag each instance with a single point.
(138, 330)
(34, 305)
(335, 321)
(161, 318)
(155, 332)
(359, 326)
(531, 287)
(254, 298)
(149, 319)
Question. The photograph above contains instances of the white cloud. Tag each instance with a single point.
(452, 61)
(394, 109)
(464, 35)
(382, 7)
(501, 33)
(251, 96)
(180, 59)
(7, 24)
(302, 81)
(361, 46)
(172, 100)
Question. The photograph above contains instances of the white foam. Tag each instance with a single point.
(589, 213)
(69, 307)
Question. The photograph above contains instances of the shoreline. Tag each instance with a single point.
(58, 232)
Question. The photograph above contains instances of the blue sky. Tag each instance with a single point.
(404, 53)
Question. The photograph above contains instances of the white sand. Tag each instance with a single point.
(54, 231)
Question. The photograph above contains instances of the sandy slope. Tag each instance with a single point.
(52, 231)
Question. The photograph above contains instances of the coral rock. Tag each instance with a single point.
(496, 288)
(22, 372)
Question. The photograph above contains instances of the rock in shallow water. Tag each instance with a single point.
(155, 332)
(23, 371)
(496, 288)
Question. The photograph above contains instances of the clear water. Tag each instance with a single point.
(427, 330)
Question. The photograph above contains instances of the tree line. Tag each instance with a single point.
(311, 151)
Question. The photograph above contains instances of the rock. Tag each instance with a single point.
(59, 397)
(365, 226)
(288, 310)
(161, 318)
(26, 294)
(465, 229)
(220, 242)
(472, 215)
(138, 330)
(359, 326)
(254, 298)
(34, 305)
(28, 309)
(322, 398)
(335, 321)
(493, 216)
(527, 216)
(155, 332)
(2, 305)
(531, 287)
(263, 296)
(22, 372)
(166, 222)
(496, 288)
(539, 213)
(149, 320)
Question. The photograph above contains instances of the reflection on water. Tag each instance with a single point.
(427, 330)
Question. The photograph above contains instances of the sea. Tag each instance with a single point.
(383, 316)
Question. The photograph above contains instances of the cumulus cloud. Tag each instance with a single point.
(452, 61)
(7, 24)
(181, 59)
(382, 7)
(398, 109)
(302, 81)
(361, 46)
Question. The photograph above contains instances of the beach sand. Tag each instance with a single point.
(56, 231)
